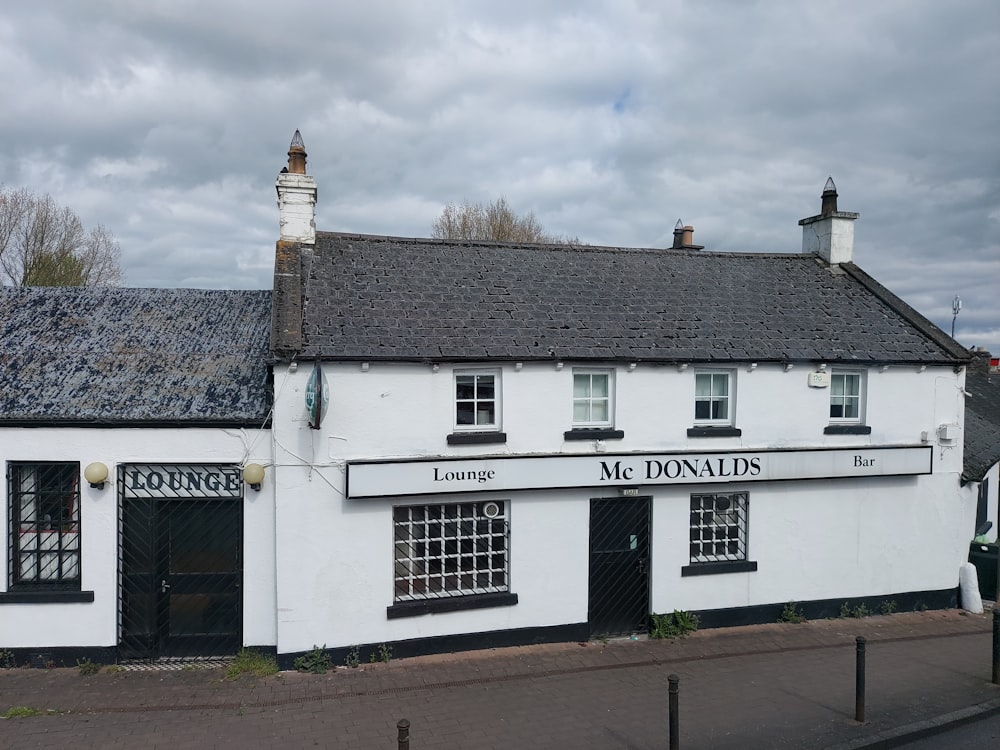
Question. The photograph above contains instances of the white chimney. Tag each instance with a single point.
(296, 196)
(830, 234)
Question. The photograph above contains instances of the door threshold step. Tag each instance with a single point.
(175, 663)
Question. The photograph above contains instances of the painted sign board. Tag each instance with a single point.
(819, 379)
(440, 476)
(181, 481)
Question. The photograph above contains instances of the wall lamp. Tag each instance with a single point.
(253, 474)
(96, 474)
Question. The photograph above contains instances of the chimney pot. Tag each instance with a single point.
(678, 235)
(684, 237)
(829, 205)
(297, 155)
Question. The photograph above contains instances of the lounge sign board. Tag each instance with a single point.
(439, 476)
(182, 481)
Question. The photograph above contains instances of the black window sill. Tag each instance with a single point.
(46, 597)
(714, 432)
(847, 429)
(449, 604)
(476, 438)
(714, 568)
(593, 434)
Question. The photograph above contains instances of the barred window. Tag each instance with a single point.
(44, 512)
(446, 550)
(719, 527)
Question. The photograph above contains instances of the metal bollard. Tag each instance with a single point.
(672, 694)
(859, 681)
(996, 644)
(403, 730)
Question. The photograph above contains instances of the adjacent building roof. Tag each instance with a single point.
(97, 355)
(360, 297)
(982, 419)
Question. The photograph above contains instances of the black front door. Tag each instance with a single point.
(181, 576)
(619, 565)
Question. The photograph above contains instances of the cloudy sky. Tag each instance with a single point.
(167, 121)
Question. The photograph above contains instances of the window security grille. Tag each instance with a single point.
(44, 512)
(445, 550)
(719, 527)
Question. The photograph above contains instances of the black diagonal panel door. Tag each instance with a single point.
(181, 577)
(200, 570)
(619, 565)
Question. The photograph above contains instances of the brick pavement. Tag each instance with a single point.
(766, 686)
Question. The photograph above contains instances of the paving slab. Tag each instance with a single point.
(781, 685)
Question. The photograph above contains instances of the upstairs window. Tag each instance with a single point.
(713, 398)
(845, 397)
(477, 401)
(44, 512)
(592, 399)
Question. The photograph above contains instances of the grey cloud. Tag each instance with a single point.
(167, 122)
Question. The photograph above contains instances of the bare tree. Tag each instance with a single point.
(44, 244)
(493, 221)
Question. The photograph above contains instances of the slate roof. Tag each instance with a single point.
(101, 355)
(384, 298)
(982, 419)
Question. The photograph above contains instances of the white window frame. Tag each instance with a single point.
(590, 400)
(477, 426)
(729, 399)
(858, 397)
(448, 550)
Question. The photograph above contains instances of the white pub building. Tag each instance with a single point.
(456, 444)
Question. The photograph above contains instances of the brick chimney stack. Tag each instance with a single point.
(684, 237)
(296, 197)
(830, 234)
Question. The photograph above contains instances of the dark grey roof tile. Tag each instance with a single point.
(107, 355)
(465, 300)
(982, 419)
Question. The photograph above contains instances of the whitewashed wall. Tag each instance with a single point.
(94, 624)
(397, 410)
(812, 540)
